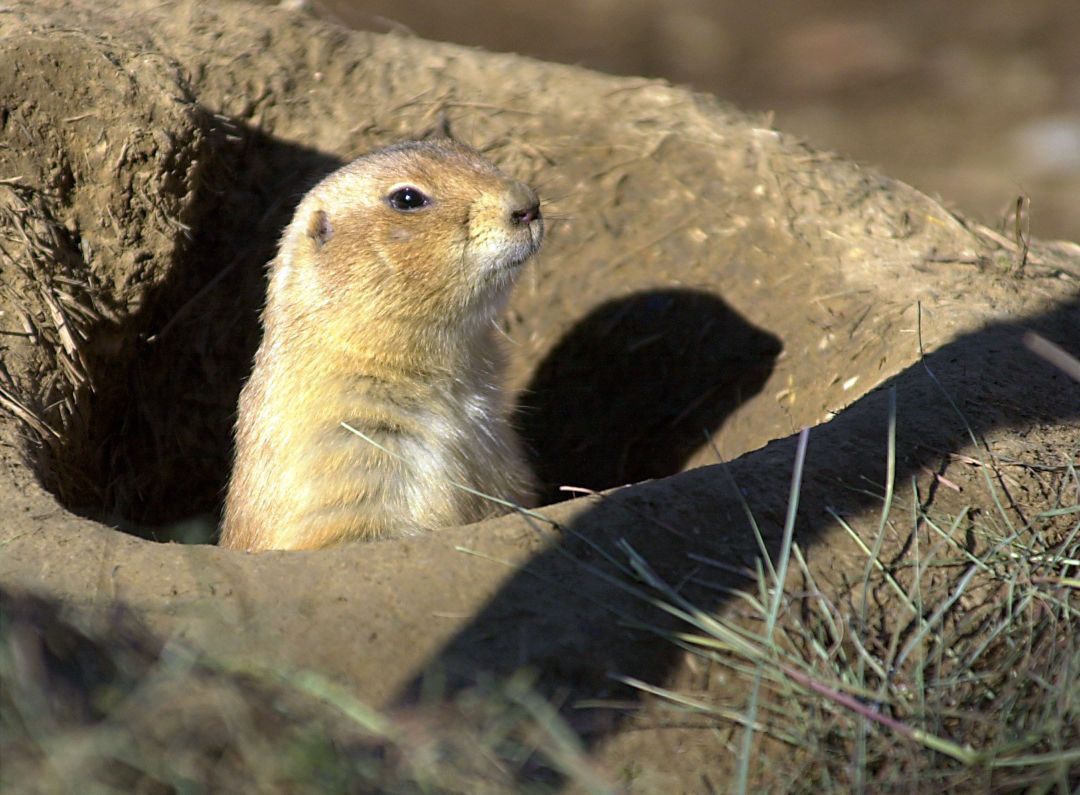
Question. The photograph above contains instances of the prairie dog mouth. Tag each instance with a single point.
(519, 252)
(520, 244)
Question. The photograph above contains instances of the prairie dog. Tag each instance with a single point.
(380, 314)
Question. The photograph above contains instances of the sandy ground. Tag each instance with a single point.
(709, 287)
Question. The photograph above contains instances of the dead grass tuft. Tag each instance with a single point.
(952, 664)
(45, 282)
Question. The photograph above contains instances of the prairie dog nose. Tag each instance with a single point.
(524, 203)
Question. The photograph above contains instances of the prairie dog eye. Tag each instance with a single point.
(407, 198)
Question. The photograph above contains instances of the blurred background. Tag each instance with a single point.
(974, 101)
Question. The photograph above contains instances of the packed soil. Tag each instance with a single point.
(708, 288)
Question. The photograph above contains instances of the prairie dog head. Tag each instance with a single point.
(423, 233)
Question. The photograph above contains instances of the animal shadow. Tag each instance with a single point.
(636, 387)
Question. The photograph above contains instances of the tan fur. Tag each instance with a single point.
(384, 320)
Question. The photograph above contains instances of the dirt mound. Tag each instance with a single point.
(708, 286)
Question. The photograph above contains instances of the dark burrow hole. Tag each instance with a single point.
(147, 449)
(631, 392)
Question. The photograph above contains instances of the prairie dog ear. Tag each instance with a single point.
(319, 228)
(440, 130)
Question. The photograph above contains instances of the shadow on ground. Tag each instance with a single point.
(636, 386)
(565, 614)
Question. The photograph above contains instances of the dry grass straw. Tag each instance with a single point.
(964, 676)
(160, 716)
(45, 285)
